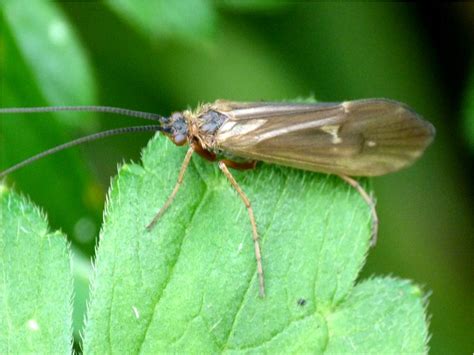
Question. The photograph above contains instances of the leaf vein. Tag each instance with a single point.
(170, 273)
(263, 238)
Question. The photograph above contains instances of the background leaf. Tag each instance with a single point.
(39, 49)
(190, 284)
(187, 19)
(82, 269)
(50, 47)
(254, 6)
(36, 287)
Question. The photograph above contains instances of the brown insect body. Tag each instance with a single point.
(355, 138)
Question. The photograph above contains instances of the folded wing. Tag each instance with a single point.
(358, 138)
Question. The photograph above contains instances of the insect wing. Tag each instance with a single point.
(359, 138)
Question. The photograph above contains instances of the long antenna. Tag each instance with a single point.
(106, 109)
(89, 138)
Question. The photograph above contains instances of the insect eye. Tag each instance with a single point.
(179, 139)
(166, 130)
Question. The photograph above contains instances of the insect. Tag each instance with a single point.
(366, 137)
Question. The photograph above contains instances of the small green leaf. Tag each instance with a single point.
(36, 287)
(382, 315)
(190, 285)
(186, 19)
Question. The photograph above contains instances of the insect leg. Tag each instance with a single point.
(247, 165)
(370, 201)
(171, 197)
(256, 243)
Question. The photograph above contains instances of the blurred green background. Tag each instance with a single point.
(161, 56)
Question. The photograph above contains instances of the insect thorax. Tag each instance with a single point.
(204, 125)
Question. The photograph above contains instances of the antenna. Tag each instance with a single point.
(81, 140)
(105, 109)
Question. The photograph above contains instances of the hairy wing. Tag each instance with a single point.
(359, 138)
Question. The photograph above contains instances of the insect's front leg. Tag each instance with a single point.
(258, 255)
(171, 197)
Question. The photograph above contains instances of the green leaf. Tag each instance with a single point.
(43, 63)
(36, 287)
(254, 5)
(82, 269)
(382, 315)
(50, 48)
(185, 19)
(190, 285)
